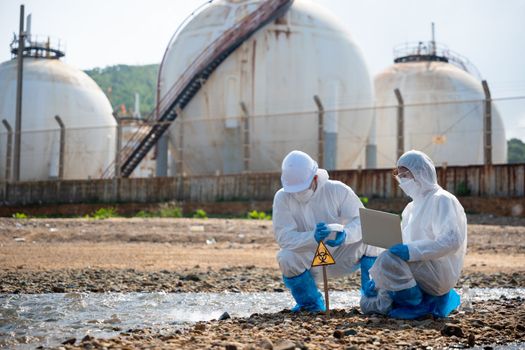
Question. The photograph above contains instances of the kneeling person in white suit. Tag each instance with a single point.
(416, 278)
(302, 209)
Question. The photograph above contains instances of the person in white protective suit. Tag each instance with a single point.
(302, 209)
(416, 278)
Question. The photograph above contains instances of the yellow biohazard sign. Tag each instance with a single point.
(322, 256)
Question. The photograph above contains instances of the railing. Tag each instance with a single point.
(230, 38)
(430, 48)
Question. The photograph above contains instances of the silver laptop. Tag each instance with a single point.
(379, 228)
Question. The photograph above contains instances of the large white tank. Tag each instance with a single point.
(50, 88)
(275, 74)
(436, 120)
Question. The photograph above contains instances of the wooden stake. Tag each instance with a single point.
(327, 302)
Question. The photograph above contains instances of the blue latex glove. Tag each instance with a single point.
(340, 237)
(370, 289)
(400, 250)
(321, 232)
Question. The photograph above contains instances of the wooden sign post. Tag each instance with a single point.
(323, 258)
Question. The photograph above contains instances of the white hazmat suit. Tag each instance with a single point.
(294, 223)
(434, 228)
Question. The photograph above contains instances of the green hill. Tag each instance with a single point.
(516, 151)
(121, 82)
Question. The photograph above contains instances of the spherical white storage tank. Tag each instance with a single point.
(438, 122)
(276, 74)
(50, 88)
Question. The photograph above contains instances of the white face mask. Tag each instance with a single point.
(410, 187)
(303, 196)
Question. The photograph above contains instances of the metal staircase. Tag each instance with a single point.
(187, 86)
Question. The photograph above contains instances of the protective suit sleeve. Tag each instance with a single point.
(349, 214)
(285, 228)
(446, 227)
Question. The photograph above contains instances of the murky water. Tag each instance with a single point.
(30, 320)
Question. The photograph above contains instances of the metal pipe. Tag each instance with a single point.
(19, 81)
(118, 144)
(487, 125)
(320, 130)
(400, 124)
(246, 136)
(62, 147)
(179, 164)
(8, 160)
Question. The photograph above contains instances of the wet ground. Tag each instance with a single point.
(231, 257)
(48, 320)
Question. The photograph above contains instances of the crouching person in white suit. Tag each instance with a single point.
(302, 209)
(416, 278)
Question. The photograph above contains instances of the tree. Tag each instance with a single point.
(516, 151)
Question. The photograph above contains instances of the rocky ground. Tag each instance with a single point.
(494, 322)
(216, 255)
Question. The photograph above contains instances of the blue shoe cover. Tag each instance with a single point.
(439, 307)
(305, 292)
(407, 297)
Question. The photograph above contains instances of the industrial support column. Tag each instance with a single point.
(320, 131)
(162, 156)
(487, 126)
(246, 137)
(400, 124)
(118, 144)
(179, 163)
(8, 160)
(19, 80)
(62, 147)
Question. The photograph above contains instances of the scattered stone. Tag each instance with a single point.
(58, 289)
(449, 330)
(265, 343)
(285, 345)
(71, 341)
(87, 338)
(471, 340)
(224, 316)
(200, 327)
(339, 334)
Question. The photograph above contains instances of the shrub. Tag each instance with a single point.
(144, 214)
(462, 189)
(20, 216)
(200, 214)
(258, 215)
(105, 213)
(170, 210)
(364, 200)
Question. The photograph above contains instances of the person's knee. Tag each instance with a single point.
(290, 263)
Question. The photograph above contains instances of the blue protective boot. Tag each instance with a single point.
(366, 263)
(304, 290)
(440, 307)
(407, 297)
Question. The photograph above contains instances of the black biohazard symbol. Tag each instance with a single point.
(322, 256)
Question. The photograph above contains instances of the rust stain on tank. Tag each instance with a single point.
(254, 50)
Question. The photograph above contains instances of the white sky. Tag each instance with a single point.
(490, 33)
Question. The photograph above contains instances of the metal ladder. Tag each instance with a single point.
(190, 82)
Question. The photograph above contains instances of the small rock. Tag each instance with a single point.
(190, 277)
(450, 330)
(339, 334)
(471, 340)
(230, 347)
(224, 316)
(58, 289)
(87, 338)
(69, 341)
(285, 345)
(265, 343)
(200, 327)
